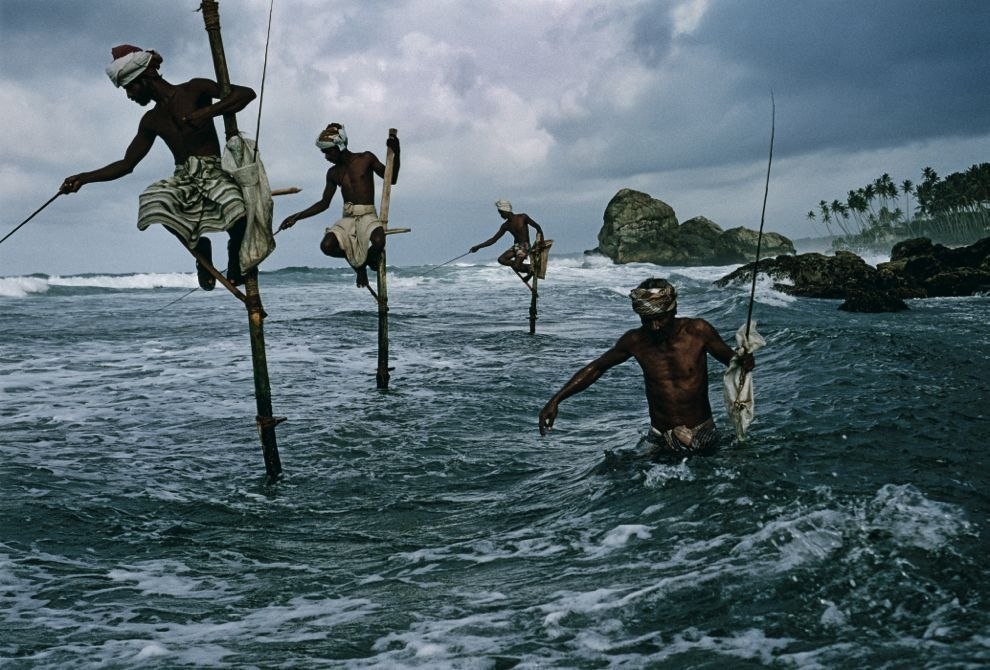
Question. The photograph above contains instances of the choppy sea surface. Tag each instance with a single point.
(431, 526)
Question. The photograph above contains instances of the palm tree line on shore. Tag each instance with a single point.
(955, 209)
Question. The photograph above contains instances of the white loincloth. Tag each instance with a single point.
(353, 232)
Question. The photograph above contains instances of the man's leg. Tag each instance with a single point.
(374, 257)
(204, 250)
(331, 247)
(236, 233)
(519, 265)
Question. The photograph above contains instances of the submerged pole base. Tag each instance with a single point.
(269, 448)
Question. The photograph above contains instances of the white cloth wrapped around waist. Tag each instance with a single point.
(353, 231)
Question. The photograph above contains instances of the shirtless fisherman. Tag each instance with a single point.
(518, 225)
(673, 353)
(359, 225)
(199, 197)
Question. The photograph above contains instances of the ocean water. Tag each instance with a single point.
(432, 527)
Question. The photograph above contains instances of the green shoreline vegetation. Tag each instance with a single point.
(953, 211)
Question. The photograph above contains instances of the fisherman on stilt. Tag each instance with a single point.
(673, 354)
(359, 235)
(200, 197)
(518, 225)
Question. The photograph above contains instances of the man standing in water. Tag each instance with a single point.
(518, 225)
(199, 197)
(673, 354)
(354, 174)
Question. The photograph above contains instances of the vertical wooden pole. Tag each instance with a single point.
(382, 375)
(256, 314)
(532, 304)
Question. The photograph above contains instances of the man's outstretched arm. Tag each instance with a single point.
(584, 378)
(136, 150)
(320, 205)
(491, 240)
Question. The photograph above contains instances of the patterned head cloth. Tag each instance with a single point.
(504, 206)
(332, 136)
(130, 62)
(654, 301)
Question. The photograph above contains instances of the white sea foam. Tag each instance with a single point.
(20, 287)
(134, 281)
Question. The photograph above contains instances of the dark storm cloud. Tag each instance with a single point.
(847, 75)
(861, 74)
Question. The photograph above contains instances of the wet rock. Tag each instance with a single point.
(917, 269)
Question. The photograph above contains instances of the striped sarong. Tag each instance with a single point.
(198, 198)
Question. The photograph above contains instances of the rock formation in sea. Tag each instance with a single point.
(917, 269)
(640, 228)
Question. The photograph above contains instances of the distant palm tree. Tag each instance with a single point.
(826, 215)
(906, 187)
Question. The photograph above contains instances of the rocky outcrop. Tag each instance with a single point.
(639, 228)
(917, 269)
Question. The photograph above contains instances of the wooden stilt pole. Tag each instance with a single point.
(532, 306)
(538, 266)
(256, 314)
(382, 374)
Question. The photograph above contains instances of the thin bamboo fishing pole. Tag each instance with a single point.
(264, 72)
(445, 263)
(36, 212)
(763, 213)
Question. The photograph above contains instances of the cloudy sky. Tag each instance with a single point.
(552, 104)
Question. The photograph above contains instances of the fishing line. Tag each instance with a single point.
(445, 263)
(30, 217)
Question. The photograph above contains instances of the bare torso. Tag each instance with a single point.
(675, 370)
(185, 139)
(517, 226)
(356, 177)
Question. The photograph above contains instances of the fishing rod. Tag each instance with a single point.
(759, 238)
(50, 200)
(264, 71)
(445, 263)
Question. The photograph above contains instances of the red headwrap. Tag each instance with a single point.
(151, 69)
(123, 50)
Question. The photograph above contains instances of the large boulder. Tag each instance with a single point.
(636, 228)
(640, 228)
(738, 245)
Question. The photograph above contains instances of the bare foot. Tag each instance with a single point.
(362, 276)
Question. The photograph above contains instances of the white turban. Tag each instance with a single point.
(122, 71)
(504, 206)
(332, 136)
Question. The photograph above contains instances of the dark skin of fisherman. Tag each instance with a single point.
(354, 174)
(673, 354)
(183, 117)
(518, 226)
